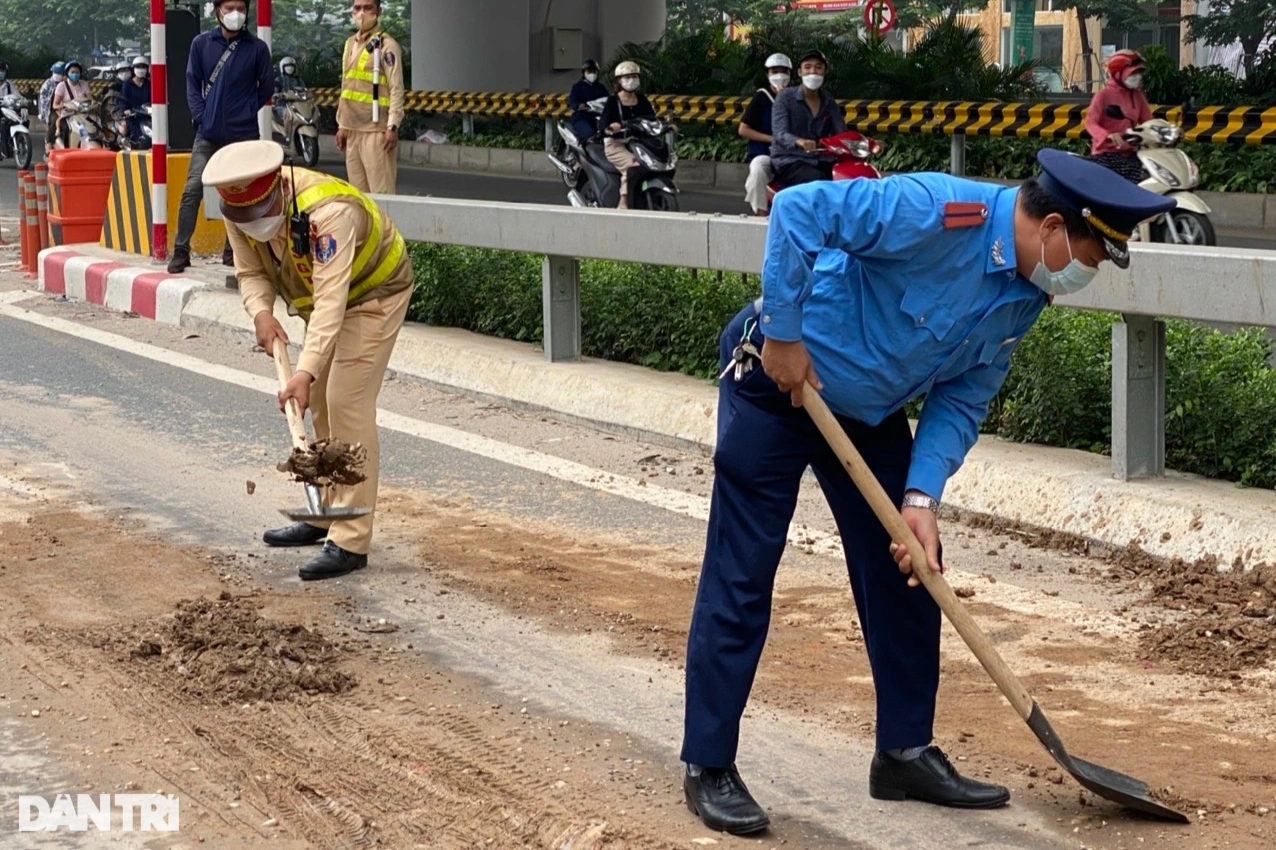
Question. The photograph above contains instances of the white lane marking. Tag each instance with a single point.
(1003, 594)
(17, 295)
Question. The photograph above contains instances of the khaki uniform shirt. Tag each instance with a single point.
(356, 115)
(339, 226)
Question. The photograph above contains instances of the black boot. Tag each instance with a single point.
(180, 261)
(931, 778)
(718, 797)
(332, 562)
(297, 534)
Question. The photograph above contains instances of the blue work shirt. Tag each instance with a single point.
(892, 305)
(792, 119)
(244, 85)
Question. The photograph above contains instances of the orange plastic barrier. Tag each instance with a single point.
(79, 185)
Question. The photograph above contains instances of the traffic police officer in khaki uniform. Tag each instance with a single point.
(347, 273)
(371, 106)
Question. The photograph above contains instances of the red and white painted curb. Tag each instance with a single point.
(152, 294)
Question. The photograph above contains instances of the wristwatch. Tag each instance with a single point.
(393, 127)
(915, 499)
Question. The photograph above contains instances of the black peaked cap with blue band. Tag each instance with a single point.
(1112, 206)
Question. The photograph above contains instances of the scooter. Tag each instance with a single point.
(15, 130)
(120, 121)
(1172, 173)
(651, 185)
(297, 129)
(850, 152)
(85, 129)
(570, 150)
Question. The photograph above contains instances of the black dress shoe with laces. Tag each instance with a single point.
(332, 562)
(931, 778)
(179, 262)
(297, 534)
(718, 797)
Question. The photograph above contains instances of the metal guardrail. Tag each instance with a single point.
(1233, 285)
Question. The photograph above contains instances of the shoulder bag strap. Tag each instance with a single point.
(217, 69)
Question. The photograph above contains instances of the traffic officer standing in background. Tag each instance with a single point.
(876, 292)
(371, 106)
(347, 273)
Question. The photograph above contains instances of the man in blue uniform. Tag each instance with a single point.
(876, 292)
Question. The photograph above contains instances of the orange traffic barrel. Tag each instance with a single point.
(79, 186)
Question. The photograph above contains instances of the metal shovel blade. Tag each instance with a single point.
(314, 511)
(1107, 783)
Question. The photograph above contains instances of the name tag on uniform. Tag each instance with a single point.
(964, 214)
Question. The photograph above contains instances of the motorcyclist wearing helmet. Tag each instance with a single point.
(756, 127)
(1115, 109)
(137, 94)
(74, 89)
(585, 90)
(57, 73)
(285, 82)
(801, 117)
(6, 85)
(622, 107)
(122, 73)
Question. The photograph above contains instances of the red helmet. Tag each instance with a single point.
(1124, 60)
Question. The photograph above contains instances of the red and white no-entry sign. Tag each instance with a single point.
(879, 16)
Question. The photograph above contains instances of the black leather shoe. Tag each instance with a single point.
(333, 561)
(931, 778)
(718, 797)
(179, 262)
(228, 258)
(297, 534)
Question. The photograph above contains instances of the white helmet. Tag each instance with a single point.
(285, 63)
(627, 69)
(778, 60)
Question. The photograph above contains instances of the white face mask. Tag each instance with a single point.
(141, 72)
(1073, 277)
(813, 81)
(234, 21)
(1133, 81)
(289, 70)
(630, 83)
(591, 78)
(125, 75)
(59, 77)
(263, 229)
(779, 81)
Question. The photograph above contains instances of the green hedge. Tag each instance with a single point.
(1221, 388)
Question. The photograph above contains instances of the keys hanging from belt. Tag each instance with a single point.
(743, 357)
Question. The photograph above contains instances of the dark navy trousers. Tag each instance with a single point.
(764, 447)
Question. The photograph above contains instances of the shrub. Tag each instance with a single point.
(1221, 388)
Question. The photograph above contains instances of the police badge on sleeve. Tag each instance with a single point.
(325, 247)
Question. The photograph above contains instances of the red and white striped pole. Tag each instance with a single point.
(159, 133)
(263, 32)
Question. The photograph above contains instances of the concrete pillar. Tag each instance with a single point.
(1138, 397)
(629, 20)
(474, 45)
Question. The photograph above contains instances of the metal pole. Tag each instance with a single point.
(958, 155)
(263, 32)
(560, 277)
(467, 126)
(549, 134)
(159, 133)
(1138, 397)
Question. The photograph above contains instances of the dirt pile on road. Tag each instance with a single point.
(327, 462)
(224, 651)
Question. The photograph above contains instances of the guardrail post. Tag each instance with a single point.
(1138, 397)
(958, 154)
(561, 286)
(549, 135)
(467, 126)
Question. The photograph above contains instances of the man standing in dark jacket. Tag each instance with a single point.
(229, 78)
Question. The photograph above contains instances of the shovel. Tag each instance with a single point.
(1107, 783)
(315, 511)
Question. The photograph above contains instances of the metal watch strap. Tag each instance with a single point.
(920, 500)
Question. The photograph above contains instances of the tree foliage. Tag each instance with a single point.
(1248, 21)
(71, 28)
(1119, 15)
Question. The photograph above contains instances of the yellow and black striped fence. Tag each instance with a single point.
(1217, 124)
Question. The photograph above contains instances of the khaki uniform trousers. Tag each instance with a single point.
(343, 402)
(370, 168)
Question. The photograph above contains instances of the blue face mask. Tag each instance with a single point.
(74, 76)
(1073, 277)
(3, 75)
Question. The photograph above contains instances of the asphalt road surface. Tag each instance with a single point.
(516, 643)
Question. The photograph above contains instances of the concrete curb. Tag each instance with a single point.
(1179, 516)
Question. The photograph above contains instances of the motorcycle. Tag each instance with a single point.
(116, 121)
(1172, 173)
(651, 186)
(85, 127)
(297, 128)
(15, 130)
(570, 150)
(850, 152)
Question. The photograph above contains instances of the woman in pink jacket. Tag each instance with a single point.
(1116, 108)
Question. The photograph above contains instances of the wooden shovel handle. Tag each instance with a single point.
(296, 420)
(934, 582)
